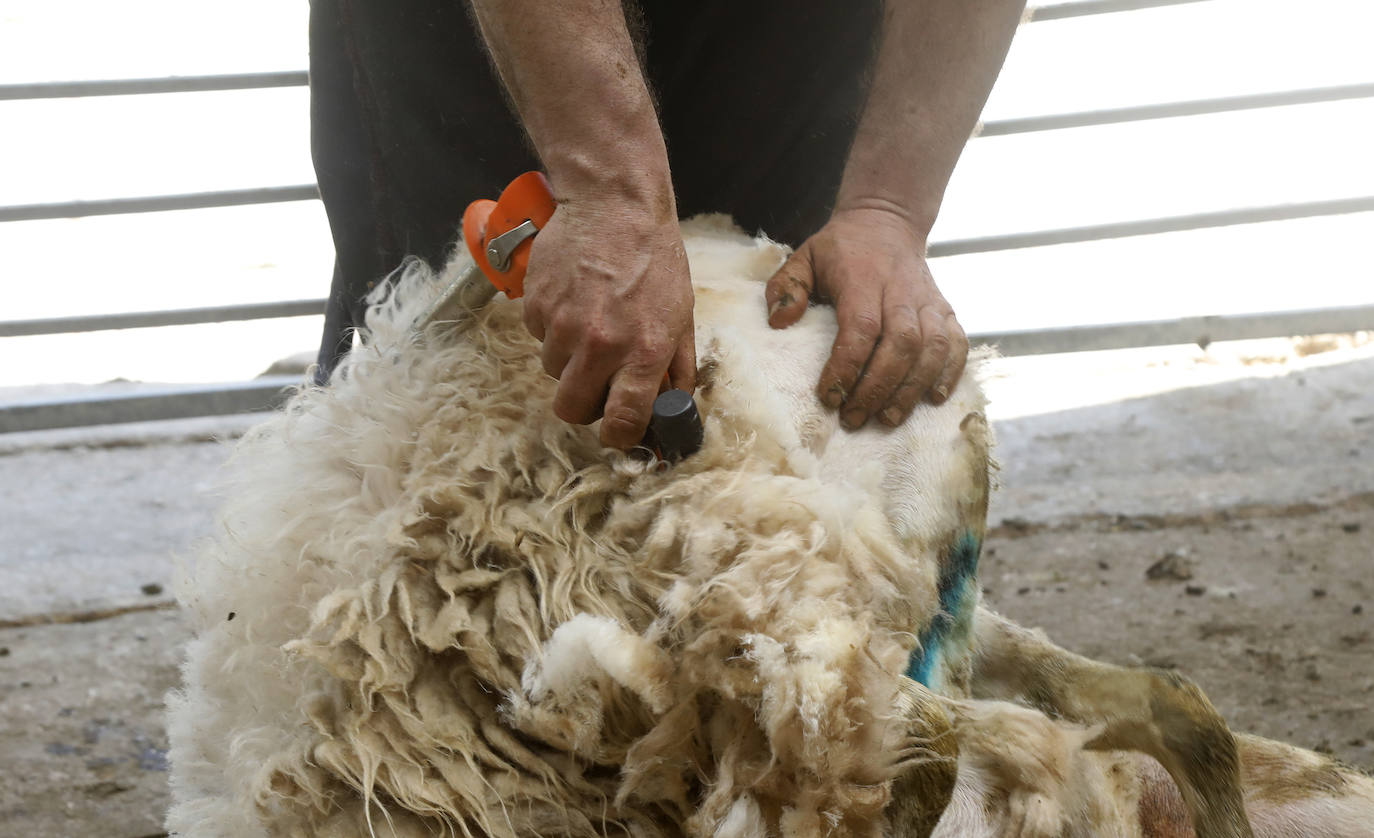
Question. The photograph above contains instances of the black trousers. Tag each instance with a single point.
(758, 100)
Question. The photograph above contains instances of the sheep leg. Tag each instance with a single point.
(1025, 775)
(928, 765)
(1291, 791)
(1157, 713)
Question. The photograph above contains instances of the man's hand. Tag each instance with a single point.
(898, 339)
(609, 294)
(607, 290)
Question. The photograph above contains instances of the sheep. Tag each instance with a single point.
(433, 608)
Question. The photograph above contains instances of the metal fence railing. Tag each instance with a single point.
(81, 410)
(269, 392)
(1153, 226)
(164, 317)
(160, 203)
(137, 87)
(1170, 110)
(1059, 11)
(179, 402)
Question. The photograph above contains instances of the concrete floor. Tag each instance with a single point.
(1251, 464)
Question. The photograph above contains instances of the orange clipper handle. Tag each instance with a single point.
(527, 198)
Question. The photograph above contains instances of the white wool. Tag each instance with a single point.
(587, 646)
(744, 820)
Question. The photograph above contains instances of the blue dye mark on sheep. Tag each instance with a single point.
(958, 573)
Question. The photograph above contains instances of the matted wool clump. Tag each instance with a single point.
(433, 608)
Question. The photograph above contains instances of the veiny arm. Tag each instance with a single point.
(898, 338)
(608, 290)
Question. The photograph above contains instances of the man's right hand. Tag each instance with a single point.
(607, 289)
(609, 294)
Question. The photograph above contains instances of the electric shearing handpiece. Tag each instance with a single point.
(499, 235)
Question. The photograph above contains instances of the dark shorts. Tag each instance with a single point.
(758, 102)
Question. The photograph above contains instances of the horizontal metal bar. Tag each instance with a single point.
(1199, 330)
(1059, 11)
(167, 84)
(1041, 238)
(305, 192)
(300, 78)
(1152, 226)
(265, 393)
(1168, 110)
(161, 203)
(152, 319)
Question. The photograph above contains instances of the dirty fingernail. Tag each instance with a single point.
(854, 419)
(891, 416)
(833, 397)
(782, 302)
(941, 393)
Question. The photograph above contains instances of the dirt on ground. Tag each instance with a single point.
(1269, 609)
(83, 747)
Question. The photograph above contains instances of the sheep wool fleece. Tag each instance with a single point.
(432, 608)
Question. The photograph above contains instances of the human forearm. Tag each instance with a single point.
(936, 64)
(570, 68)
(608, 291)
